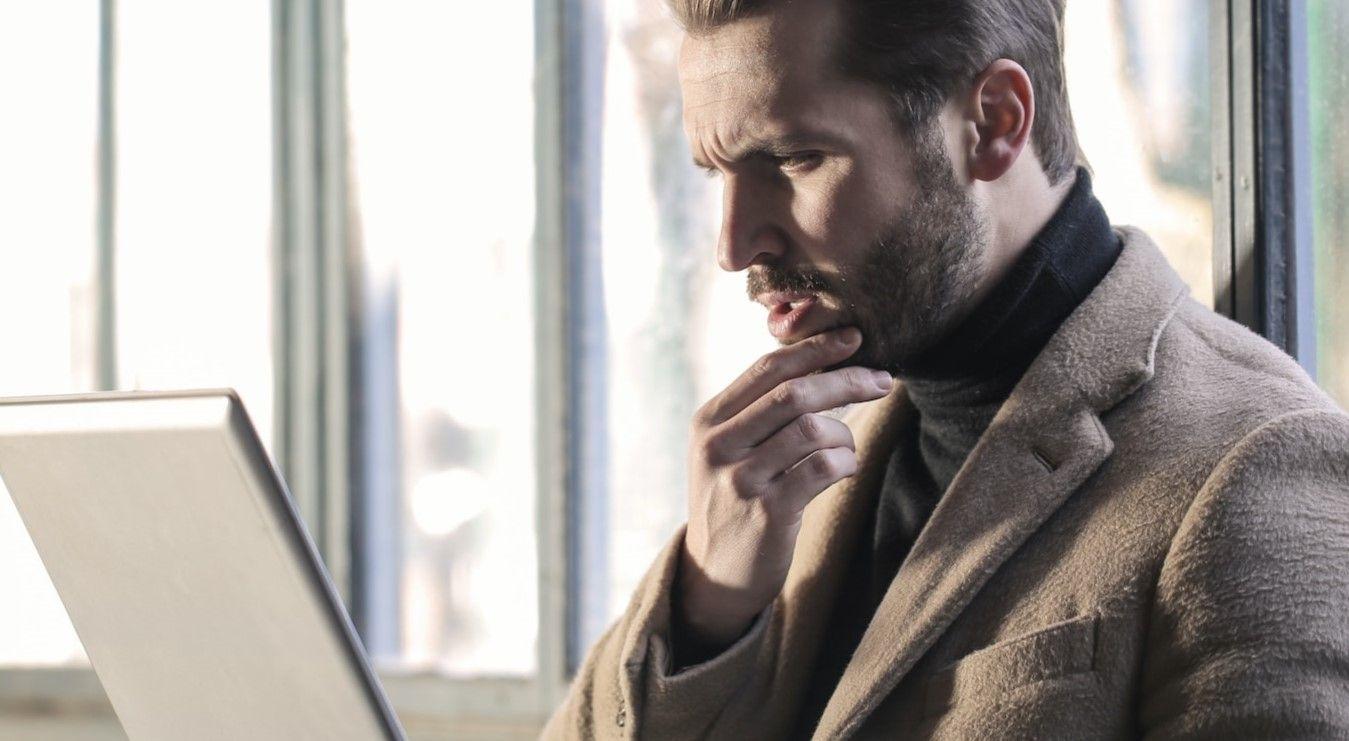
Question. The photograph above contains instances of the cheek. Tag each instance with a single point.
(839, 219)
(813, 206)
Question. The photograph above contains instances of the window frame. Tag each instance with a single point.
(322, 338)
(1267, 259)
(1262, 267)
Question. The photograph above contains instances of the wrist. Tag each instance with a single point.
(707, 614)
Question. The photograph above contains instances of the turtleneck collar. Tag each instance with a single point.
(1059, 267)
(964, 379)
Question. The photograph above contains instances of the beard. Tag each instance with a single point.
(915, 280)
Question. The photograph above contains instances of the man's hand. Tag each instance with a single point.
(760, 453)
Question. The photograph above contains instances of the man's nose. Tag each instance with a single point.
(749, 232)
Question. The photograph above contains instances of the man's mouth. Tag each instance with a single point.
(786, 312)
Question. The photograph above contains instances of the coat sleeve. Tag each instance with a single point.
(1249, 634)
(625, 688)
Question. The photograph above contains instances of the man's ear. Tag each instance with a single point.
(1002, 109)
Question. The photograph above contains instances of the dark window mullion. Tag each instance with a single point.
(555, 525)
(1283, 192)
(311, 274)
(581, 70)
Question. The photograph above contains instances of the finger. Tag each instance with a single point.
(798, 396)
(809, 355)
(791, 444)
(801, 483)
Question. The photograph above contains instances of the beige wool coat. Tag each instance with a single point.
(1150, 540)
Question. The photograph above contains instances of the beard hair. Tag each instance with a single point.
(915, 281)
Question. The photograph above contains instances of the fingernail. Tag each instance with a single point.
(849, 335)
(883, 379)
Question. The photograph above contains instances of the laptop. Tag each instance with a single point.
(186, 570)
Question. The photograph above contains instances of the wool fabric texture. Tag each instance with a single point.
(1151, 539)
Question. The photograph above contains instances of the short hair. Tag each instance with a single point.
(922, 51)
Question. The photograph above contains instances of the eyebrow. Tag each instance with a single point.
(775, 146)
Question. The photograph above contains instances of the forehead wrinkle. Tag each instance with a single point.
(763, 127)
(732, 78)
(751, 83)
(706, 103)
(706, 79)
(747, 51)
(750, 87)
(720, 142)
(717, 120)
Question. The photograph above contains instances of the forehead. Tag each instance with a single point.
(770, 66)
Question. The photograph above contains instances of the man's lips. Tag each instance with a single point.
(777, 299)
(786, 311)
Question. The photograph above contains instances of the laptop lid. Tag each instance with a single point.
(185, 569)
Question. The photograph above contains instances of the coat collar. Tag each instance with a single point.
(1044, 443)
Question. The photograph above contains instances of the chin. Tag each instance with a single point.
(889, 358)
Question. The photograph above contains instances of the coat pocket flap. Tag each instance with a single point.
(1056, 650)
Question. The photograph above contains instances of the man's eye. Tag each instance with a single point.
(798, 162)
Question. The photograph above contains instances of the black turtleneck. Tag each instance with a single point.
(957, 389)
(966, 377)
(1060, 266)
(963, 380)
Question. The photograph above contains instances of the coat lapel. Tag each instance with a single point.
(1044, 443)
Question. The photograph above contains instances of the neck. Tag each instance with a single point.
(1019, 206)
(962, 381)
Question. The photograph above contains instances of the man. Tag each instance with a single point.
(1090, 507)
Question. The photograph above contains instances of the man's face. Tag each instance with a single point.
(838, 219)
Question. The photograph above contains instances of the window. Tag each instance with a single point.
(443, 184)
(678, 328)
(191, 249)
(1328, 90)
(1139, 86)
(340, 208)
(47, 272)
(189, 229)
(178, 200)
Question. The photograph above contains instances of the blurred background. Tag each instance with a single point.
(459, 267)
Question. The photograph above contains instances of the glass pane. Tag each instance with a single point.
(679, 328)
(1328, 95)
(193, 256)
(192, 227)
(443, 172)
(1139, 85)
(48, 146)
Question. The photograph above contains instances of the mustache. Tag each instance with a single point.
(771, 278)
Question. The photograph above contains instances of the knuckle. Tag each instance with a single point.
(809, 426)
(791, 394)
(824, 345)
(831, 433)
(859, 380)
(822, 464)
(833, 464)
(702, 417)
(710, 451)
(765, 366)
(741, 481)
